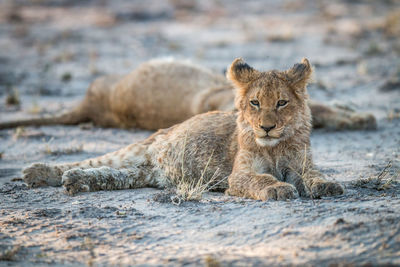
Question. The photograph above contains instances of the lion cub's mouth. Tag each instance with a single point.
(273, 134)
(271, 138)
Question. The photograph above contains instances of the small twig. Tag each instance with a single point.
(304, 161)
(303, 172)
(205, 168)
(183, 156)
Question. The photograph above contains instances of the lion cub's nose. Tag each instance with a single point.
(267, 128)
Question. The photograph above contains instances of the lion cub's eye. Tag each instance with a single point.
(255, 103)
(281, 103)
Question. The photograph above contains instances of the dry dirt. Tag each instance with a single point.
(50, 50)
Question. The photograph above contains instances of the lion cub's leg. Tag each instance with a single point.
(245, 182)
(39, 174)
(260, 187)
(313, 184)
(132, 156)
(106, 178)
(320, 187)
(340, 119)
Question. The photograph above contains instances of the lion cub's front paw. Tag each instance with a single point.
(279, 191)
(74, 182)
(39, 174)
(325, 188)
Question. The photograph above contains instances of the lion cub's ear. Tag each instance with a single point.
(300, 75)
(240, 73)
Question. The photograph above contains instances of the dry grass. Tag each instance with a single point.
(35, 108)
(379, 182)
(362, 68)
(210, 261)
(22, 132)
(393, 115)
(13, 98)
(62, 151)
(93, 58)
(19, 132)
(190, 189)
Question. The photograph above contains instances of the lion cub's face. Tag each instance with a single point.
(272, 103)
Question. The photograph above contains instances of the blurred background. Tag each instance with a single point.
(50, 50)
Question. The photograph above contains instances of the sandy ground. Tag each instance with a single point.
(51, 49)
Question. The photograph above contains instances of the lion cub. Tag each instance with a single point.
(263, 150)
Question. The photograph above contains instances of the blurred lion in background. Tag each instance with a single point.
(163, 92)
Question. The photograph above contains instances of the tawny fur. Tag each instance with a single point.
(262, 151)
(161, 93)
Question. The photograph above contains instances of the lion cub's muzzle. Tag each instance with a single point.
(269, 131)
(267, 128)
(268, 137)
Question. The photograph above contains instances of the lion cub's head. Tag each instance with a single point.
(273, 104)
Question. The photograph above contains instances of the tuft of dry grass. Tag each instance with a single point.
(379, 182)
(22, 132)
(19, 132)
(189, 189)
(192, 190)
(362, 68)
(35, 108)
(210, 261)
(62, 151)
(13, 98)
(393, 114)
(93, 58)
